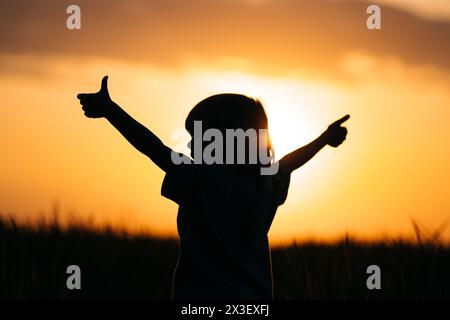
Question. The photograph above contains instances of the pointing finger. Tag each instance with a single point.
(341, 121)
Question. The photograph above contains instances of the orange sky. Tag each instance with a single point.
(309, 62)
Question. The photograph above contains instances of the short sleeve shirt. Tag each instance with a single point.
(223, 220)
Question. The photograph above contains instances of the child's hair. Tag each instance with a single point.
(230, 111)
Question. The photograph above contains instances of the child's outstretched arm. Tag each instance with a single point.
(99, 105)
(333, 136)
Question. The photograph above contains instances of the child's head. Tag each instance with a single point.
(232, 111)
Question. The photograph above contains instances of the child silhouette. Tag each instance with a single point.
(225, 210)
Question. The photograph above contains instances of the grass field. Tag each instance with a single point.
(33, 264)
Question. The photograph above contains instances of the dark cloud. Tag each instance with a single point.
(280, 35)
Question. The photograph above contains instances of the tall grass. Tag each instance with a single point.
(33, 264)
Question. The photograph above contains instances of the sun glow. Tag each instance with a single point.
(293, 107)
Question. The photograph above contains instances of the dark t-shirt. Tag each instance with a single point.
(223, 220)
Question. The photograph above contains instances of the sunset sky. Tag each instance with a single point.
(310, 62)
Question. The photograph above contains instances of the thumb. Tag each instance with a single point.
(104, 87)
(340, 121)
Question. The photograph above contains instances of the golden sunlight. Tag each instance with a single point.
(69, 153)
(294, 107)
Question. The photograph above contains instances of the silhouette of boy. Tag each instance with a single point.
(225, 210)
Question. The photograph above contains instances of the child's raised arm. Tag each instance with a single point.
(99, 105)
(333, 136)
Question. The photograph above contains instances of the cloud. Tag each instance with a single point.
(284, 35)
(431, 9)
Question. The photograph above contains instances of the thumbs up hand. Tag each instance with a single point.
(96, 105)
(335, 134)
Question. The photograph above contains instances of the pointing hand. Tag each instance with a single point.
(335, 134)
